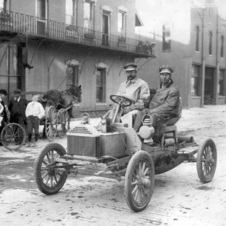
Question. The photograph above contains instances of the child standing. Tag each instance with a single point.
(34, 112)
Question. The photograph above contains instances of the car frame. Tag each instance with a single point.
(117, 151)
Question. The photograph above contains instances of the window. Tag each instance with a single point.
(72, 76)
(71, 12)
(9, 74)
(42, 15)
(210, 42)
(197, 39)
(166, 39)
(88, 15)
(105, 28)
(195, 77)
(41, 9)
(101, 86)
(222, 46)
(4, 5)
(221, 83)
(122, 23)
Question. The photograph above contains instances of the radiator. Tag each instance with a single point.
(87, 141)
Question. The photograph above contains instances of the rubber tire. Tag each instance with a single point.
(37, 169)
(3, 139)
(200, 167)
(132, 165)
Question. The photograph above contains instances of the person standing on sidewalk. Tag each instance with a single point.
(34, 113)
(17, 106)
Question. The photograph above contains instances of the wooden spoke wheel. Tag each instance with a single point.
(63, 123)
(139, 181)
(13, 136)
(50, 176)
(51, 123)
(207, 161)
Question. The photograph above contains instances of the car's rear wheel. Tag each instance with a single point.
(207, 161)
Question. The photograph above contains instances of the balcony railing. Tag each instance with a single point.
(34, 26)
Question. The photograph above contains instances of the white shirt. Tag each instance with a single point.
(35, 109)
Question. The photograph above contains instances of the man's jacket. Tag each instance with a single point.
(17, 109)
(136, 90)
(166, 100)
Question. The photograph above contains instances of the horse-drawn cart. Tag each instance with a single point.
(57, 105)
(120, 152)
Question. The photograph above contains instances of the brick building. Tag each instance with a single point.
(52, 44)
(192, 38)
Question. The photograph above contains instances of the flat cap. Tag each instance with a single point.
(17, 91)
(3, 91)
(165, 69)
(130, 67)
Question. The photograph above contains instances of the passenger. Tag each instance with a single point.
(164, 105)
(34, 113)
(136, 90)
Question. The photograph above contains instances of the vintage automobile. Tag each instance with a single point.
(117, 151)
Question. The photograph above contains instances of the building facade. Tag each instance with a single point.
(53, 44)
(192, 39)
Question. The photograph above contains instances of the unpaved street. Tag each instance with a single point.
(179, 197)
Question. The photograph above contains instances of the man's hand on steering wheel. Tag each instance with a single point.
(128, 109)
(121, 100)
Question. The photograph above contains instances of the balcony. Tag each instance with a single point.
(12, 23)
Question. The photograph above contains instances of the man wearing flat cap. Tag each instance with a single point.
(136, 90)
(165, 104)
(17, 107)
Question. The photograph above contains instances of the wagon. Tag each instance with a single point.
(116, 151)
(58, 103)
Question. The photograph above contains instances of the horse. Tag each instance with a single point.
(62, 99)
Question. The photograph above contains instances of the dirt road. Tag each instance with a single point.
(179, 197)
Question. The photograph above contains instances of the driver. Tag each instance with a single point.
(136, 90)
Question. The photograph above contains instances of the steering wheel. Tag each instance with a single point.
(121, 100)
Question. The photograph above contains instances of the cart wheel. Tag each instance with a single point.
(64, 121)
(139, 181)
(51, 123)
(13, 136)
(209, 101)
(49, 177)
(207, 161)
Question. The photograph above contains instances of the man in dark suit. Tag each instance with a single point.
(17, 107)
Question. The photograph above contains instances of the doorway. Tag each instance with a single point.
(209, 86)
(42, 17)
(105, 29)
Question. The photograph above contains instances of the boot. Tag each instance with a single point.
(29, 140)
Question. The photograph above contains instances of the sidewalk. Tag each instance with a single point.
(191, 120)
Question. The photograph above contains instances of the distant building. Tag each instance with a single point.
(192, 39)
(55, 44)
